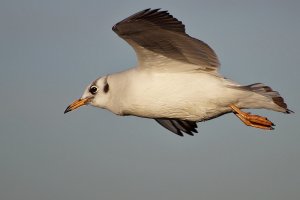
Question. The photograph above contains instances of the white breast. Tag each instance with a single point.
(192, 96)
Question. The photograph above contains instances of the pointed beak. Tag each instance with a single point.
(76, 104)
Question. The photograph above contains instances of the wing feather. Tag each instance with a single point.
(178, 126)
(158, 37)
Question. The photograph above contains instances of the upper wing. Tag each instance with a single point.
(157, 37)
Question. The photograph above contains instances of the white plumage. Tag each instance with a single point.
(176, 81)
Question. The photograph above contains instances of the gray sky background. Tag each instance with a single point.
(50, 51)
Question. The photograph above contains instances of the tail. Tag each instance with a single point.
(266, 91)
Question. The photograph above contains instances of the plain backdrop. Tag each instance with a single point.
(50, 51)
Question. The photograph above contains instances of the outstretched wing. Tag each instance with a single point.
(178, 126)
(157, 37)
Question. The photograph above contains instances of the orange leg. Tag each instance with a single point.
(252, 120)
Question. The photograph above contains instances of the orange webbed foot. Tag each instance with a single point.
(255, 121)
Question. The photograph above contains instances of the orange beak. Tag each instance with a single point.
(76, 104)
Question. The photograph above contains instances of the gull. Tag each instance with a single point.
(176, 80)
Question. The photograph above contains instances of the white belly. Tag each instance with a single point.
(189, 96)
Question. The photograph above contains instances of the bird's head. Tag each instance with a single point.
(95, 94)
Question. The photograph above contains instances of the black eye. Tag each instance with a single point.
(93, 89)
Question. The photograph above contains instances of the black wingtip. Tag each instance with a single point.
(288, 111)
(180, 134)
(179, 127)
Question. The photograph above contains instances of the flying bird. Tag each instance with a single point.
(176, 80)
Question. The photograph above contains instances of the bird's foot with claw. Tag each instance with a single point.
(255, 121)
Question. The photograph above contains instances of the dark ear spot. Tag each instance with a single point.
(106, 88)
